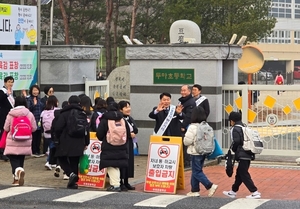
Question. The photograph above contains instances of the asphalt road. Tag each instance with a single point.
(48, 198)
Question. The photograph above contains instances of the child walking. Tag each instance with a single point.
(197, 160)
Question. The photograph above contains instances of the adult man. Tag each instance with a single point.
(200, 99)
(167, 117)
(7, 102)
(188, 103)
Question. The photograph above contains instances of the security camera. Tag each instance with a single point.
(137, 41)
(232, 40)
(242, 40)
(127, 40)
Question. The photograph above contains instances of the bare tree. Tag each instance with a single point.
(109, 12)
(116, 20)
(133, 19)
(65, 20)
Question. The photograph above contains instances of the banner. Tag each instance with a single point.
(18, 24)
(21, 65)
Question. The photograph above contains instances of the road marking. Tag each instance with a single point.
(83, 196)
(161, 201)
(13, 191)
(244, 203)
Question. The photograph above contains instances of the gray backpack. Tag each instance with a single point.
(204, 143)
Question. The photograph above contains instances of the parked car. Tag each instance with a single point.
(296, 73)
(264, 75)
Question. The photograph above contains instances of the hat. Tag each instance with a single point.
(46, 89)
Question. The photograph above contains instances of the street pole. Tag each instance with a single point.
(22, 2)
(51, 22)
(39, 42)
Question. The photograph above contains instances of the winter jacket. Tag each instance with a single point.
(204, 104)
(18, 147)
(237, 137)
(5, 107)
(35, 109)
(188, 103)
(190, 137)
(69, 146)
(112, 156)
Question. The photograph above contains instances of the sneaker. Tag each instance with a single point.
(231, 194)
(113, 189)
(72, 179)
(66, 177)
(254, 195)
(193, 194)
(129, 187)
(41, 155)
(20, 175)
(57, 171)
(123, 188)
(48, 166)
(75, 186)
(212, 190)
(53, 166)
(36, 155)
(15, 181)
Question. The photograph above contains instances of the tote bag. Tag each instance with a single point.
(217, 151)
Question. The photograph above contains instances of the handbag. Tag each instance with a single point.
(3, 140)
(229, 163)
(217, 151)
(84, 163)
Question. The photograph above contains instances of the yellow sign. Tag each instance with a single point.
(252, 59)
(5, 9)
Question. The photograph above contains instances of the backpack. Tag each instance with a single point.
(21, 128)
(77, 123)
(204, 143)
(252, 141)
(229, 163)
(279, 80)
(48, 116)
(116, 134)
(98, 118)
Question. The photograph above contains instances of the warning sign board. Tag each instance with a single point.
(95, 177)
(165, 165)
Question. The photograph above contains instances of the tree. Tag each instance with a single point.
(65, 21)
(109, 13)
(219, 19)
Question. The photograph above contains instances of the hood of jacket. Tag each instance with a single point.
(70, 107)
(19, 111)
(113, 115)
(184, 99)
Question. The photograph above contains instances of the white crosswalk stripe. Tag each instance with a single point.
(13, 191)
(244, 203)
(83, 196)
(160, 201)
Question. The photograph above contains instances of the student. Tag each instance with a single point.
(48, 90)
(129, 171)
(243, 157)
(70, 148)
(17, 149)
(112, 157)
(99, 109)
(198, 115)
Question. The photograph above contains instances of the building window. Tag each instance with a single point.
(297, 37)
(281, 8)
(279, 37)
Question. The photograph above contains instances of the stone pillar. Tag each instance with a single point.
(207, 63)
(67, 67)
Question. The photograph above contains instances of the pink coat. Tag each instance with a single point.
(18, 147)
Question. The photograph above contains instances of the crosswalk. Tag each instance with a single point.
(134, 199)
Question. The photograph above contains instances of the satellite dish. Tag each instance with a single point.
(252, 59)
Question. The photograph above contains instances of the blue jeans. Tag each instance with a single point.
(197, 173)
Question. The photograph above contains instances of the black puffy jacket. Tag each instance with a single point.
(237, 144)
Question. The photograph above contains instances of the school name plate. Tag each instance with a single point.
(173, 76)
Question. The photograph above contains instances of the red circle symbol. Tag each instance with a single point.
(95, 147)
(164, 151)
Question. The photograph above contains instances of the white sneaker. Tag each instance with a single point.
(212, 190)
(66, 177)
(193, 194)
(230, 193)
(254, 195)
(53, 165)
(48, 166)
(57, 171)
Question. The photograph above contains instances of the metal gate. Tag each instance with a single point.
(95, 89)
(274, 113)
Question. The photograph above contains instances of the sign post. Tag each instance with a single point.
(165, 171)
(94, 178)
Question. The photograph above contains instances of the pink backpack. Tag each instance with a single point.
(21, 128)
(116, 134)
(47, 118)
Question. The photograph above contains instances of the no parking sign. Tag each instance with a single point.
(165, 165)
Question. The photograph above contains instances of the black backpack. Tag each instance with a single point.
(229, 163)
(77, 124)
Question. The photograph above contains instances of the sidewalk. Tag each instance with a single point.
(275, 177)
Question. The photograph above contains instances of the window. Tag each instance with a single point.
(281, 8)
(279, 37)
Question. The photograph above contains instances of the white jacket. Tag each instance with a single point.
(190, 137)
